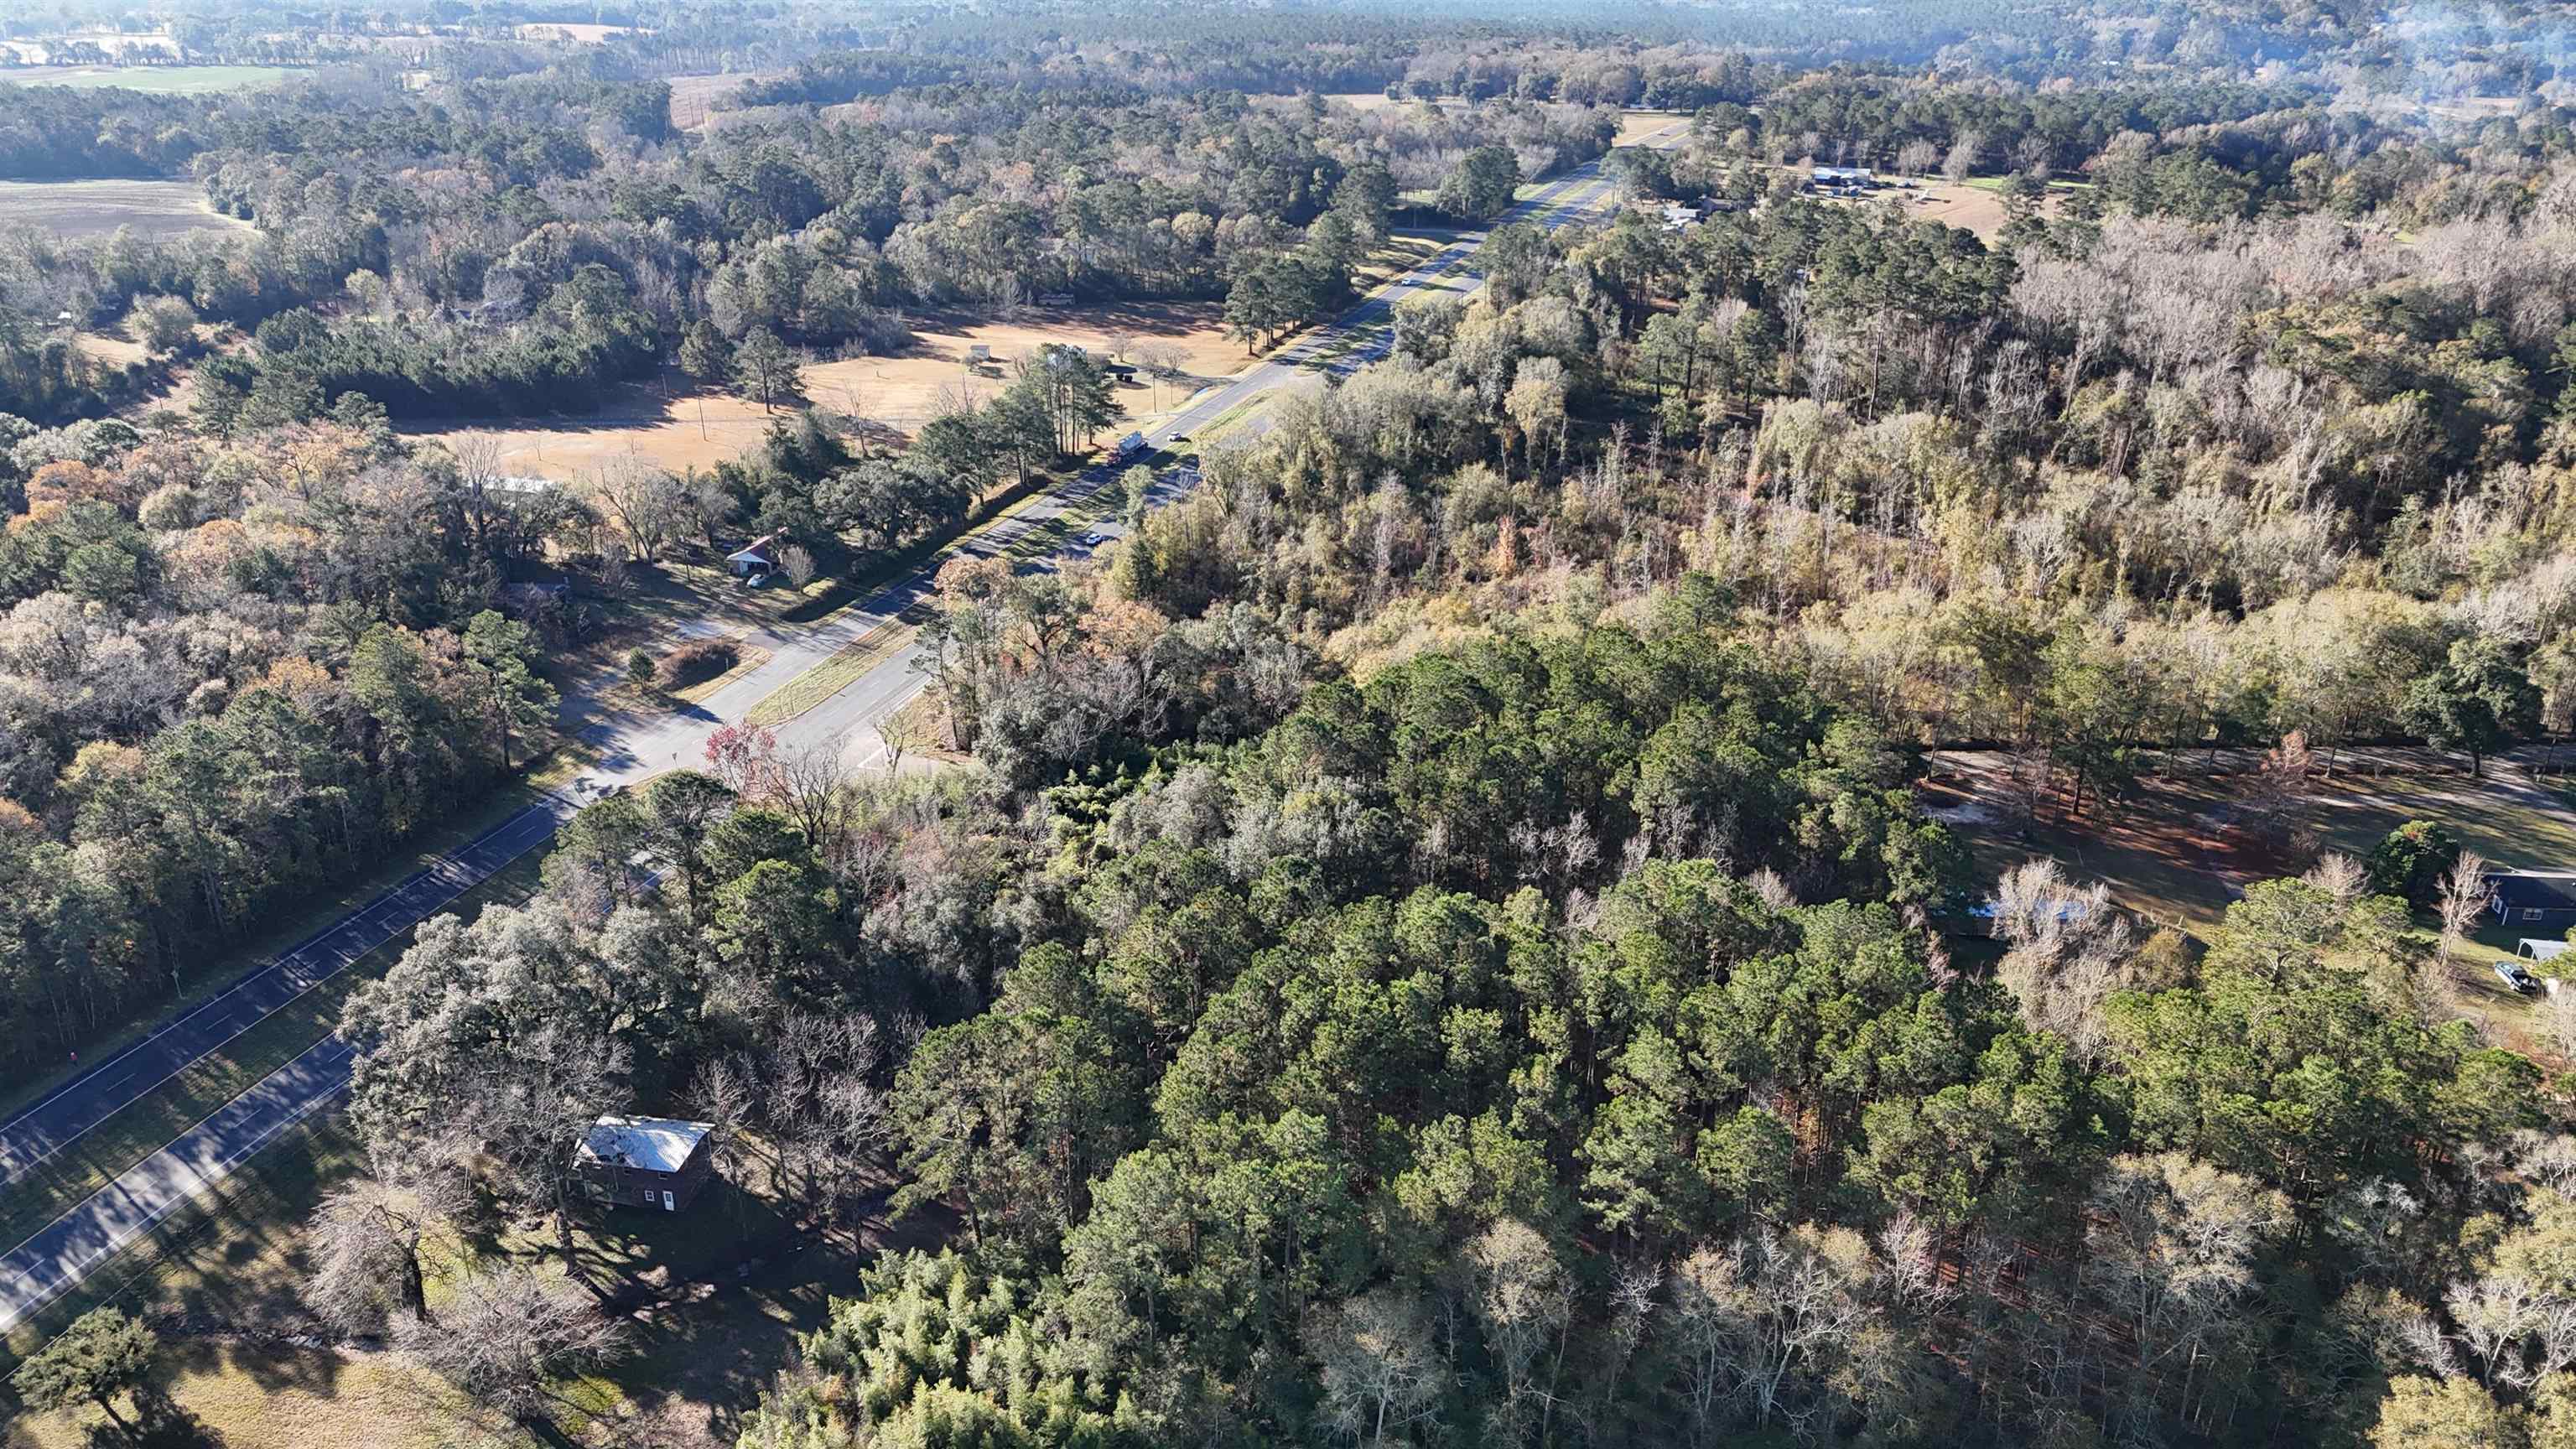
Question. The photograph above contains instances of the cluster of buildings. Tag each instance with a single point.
(1848, 181)
(1680, 215)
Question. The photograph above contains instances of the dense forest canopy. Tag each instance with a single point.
(1432, 933)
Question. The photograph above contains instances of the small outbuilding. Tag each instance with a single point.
(756, 557)
(2534, 898)
(648, 1162)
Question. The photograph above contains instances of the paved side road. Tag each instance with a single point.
(108, 1087)
(52, 1261)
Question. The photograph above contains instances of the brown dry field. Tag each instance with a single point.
(1635, 126)
(1965, 207)
(155, 209)
(114, 351)
(693, 97)
(1969, 208)
(700, 429)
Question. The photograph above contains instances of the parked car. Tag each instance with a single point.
(2515, 977)
(1094, 539)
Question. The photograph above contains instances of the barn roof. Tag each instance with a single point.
(656, 1144)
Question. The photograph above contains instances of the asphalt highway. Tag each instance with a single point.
(54, 1259)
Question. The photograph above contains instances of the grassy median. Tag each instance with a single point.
(150, 1122)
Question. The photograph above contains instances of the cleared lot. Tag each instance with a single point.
(96, 208)
(678, 429)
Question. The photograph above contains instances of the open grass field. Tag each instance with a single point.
(1969, 208)
(225, 1274)
(234, 1394)
(681, 429)
(1636, 126)
(694, 97)
(96, 208)
(114, 351)
(172, 80)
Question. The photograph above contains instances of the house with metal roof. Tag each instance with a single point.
(649, 1162)
(756, 557)
(2544, 898)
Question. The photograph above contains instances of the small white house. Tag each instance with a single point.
(759, 556)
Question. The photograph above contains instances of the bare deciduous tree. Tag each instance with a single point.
(478, 467)
(2340, 876)
(1381, 1373)
(508, 1335)
(366, 1242)
(1758, 1321)
(2170, 1254)
(2463, 897)
(2275, 791)
(2069, 951)
(808, 1091)
(811, 787)
(797, 562)
(1524, 1304)
(648, 504)
(1962, 160)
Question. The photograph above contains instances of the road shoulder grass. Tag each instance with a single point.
(293, 927)
(150, 1122)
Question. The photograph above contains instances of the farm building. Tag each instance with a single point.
(1845, 176)
(654, 1162)
(2534, 897)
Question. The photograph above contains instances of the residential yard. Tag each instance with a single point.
(714, 1296)
(211, 1392)
(2170, 856)
(234, 1262)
